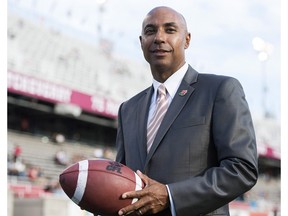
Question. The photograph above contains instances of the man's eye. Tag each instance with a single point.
(170, 30)
(149, 31)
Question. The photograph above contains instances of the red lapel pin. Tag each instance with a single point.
(183, 92)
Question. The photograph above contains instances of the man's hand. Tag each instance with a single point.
(151, 200)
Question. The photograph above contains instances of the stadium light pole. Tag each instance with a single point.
(100, 16)
(263, 50)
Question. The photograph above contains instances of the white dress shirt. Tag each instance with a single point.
(172, 84)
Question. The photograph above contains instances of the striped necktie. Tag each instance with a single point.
(161, 108)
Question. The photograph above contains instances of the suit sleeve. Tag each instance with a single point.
(120, 157)
(234, 139)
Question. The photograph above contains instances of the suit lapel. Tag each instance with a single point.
(143, 107)
(177, 104)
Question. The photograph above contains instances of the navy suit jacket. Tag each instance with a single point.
(205, 149)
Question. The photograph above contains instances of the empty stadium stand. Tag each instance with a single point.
(38, 150)
(39, 50)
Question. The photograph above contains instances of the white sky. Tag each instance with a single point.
(222, 33)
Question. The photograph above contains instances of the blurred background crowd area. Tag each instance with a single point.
(63, 97)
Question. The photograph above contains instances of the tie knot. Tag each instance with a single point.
(161, 90)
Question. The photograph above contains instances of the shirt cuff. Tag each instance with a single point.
(172, 208)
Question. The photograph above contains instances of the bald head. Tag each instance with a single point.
(169, 11)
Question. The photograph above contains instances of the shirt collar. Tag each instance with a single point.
(173, 82)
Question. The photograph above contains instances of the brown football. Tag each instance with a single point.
(97, 185)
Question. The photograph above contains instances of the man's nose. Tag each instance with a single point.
(159, 37)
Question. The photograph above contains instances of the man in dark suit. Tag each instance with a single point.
(204, 153)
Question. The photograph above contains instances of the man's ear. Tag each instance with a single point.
(140, 38)
(187, 40)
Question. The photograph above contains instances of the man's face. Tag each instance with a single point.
(164, 39)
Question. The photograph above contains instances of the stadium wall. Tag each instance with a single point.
(47, 206)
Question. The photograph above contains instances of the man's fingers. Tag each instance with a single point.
(144, 178)
(132, 194)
